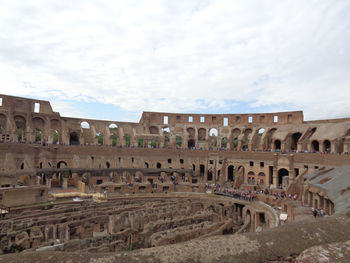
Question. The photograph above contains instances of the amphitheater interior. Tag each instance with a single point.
(172, 187)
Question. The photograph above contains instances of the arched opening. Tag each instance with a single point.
(166, 133)
(277, 145)
(327, 146)
(210, 175)
(153, 130)
(37, 135)
(159, 165)
(261, 131)
(245, 140)
(295, 138)
(224, 142)
(178, 141)
(113, 130)
(99, 136)
(315, 147)
(201, 170)
(191, 144)
(146, 165)
(230, 173)
(140, 143)
(85, 125)
(281, 181)
(234, 138)
(108, 165)
(62, 164)
(55, 137)
(261, 179)
(127, 140)
(21, 126)
(74, 138)
(201, 134)
(193, 167)
(251, 177)
(154, 143)
(213, 132)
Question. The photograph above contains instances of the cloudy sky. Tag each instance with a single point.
(115, 59)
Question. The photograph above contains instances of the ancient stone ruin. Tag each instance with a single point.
(172, 187)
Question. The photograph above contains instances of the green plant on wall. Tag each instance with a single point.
(127, 139)
(140, 144)
(37, 135)
(55, 138)
(178, 141)
(20, 134)
(235, 143)
(224, 142)
(114, 139)
(154, 143)
(100, 138)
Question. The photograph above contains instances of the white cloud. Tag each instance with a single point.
(180, 55)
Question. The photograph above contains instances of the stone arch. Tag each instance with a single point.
(315, 146)
(251, 177)
(213, 132)
(38, 123)
(166, 134)
(37, 135)
(85, 125)
(257, 137)
(282, 173)
(191, 132)
(269, 138)
(202, 134)
(20, 122)
(21, 125)
(261, 179)
(326, 146)
(3, 123)
(74, 138)
(153, 130)
(231, 173)
(191, 143)
(62, 164)
(113, 130)
(277, 145)
(99, 137)
(209, 175)
(245, 141)
(201, 170)
(292, 141)
(224, 141)
(234, 138)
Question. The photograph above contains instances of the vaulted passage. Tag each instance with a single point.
(281, 174)
(230, 173)
(74, 139)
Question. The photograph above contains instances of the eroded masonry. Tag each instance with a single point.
(70, 184)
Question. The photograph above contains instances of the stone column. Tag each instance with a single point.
(275, 178)
(48, 182)
(65, 183)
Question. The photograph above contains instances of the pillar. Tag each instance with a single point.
(275, 178)
(48, 182)
(65, 183)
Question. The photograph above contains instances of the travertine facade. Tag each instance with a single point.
(41, 152)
